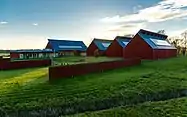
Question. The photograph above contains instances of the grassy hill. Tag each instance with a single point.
(28, 91)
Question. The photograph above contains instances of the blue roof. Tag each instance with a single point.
(102, 44)
(123, 41)
(155, 40)
(31, 50)
(149, 34)
(60, 45)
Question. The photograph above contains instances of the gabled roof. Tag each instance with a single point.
(31, 50)
(102, 44)
(60, 45)
(123, 41)
(155, 40)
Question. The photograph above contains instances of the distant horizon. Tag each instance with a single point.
(25, 24)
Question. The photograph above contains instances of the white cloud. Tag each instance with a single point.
(3, 22)
(164, 10)
(128, 27)
(176, 32)
(112, 31)
(184, 18)
(35, 24)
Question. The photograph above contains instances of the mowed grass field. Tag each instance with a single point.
(168, 108)
(29, 89)
(77, 60)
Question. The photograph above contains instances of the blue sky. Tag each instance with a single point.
(29, 23)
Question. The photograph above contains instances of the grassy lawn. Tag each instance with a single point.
(29, 89)
(169, 108)
(30, 59)
(79, 59)
(76, 60)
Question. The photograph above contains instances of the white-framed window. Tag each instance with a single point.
(40, 55)
(160, 42)
(21, 56)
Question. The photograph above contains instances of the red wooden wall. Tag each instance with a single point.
(137, 47)
(6, 64)
(81, 69)
(14, 55)
(4, 60)
(90, 50)
(164, 53)
(114, 50)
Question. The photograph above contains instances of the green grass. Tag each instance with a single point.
(29, 59)
(29, 89)
(75, 60)
(80, 59)
(169, 108)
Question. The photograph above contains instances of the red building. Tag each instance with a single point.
(67, 47)
(31, 54)
(116, 47)
(149, 45)
(99, 45)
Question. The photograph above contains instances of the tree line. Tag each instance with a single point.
(180, 42)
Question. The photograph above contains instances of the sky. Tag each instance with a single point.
(27, 24)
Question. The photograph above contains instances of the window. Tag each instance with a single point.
(125, 42)
(21, 56)
(105, 44)
(40, 55)
(70, 46)
(160, 42)
(30, 55)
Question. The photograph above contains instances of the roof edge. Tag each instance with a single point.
(152, 32)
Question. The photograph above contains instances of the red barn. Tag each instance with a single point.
(116, 47)
(67, 47)
(149, 45)
(99, 45)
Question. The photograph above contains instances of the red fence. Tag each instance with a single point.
(6, 64)
(81, 69)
